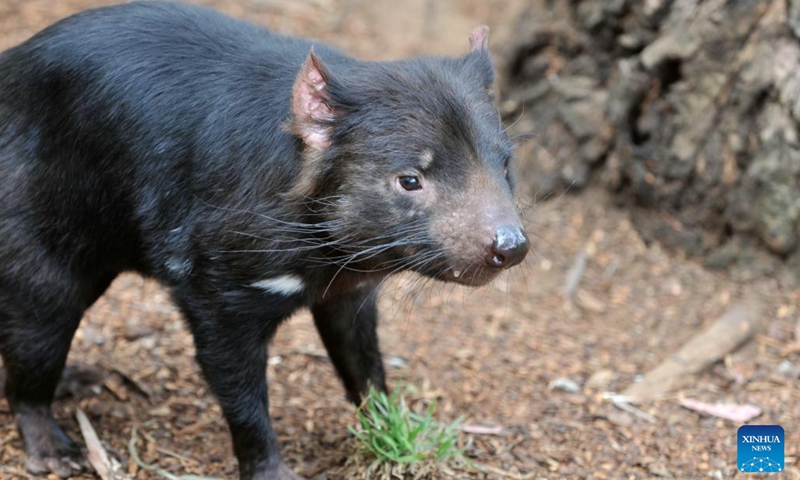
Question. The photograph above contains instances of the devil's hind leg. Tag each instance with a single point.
(39, 312)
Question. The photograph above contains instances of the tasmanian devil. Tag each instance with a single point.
(252, 174)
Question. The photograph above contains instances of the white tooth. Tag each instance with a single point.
(456, 273)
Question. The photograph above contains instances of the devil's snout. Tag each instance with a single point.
(509, 248)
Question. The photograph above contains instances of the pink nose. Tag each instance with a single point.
(509, 248)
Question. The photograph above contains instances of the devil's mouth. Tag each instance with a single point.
(463, 273)
(473, 277)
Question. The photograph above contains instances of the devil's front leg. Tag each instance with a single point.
(347, 325)
(231, 332)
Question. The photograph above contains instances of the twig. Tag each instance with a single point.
(575, 274)
(621, 402)
(97, 455)
(169, 453)
(128, 378)
(482, 429)
(503, 473)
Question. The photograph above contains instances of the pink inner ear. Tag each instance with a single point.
(310, 104)
(479, 39)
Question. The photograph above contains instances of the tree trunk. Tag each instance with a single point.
(688, 109)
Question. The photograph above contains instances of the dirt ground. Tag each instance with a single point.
(516, 355)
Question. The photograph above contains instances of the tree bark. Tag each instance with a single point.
(688, 109)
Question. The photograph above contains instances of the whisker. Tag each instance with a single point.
(522, 114)
(373, 251)
(418, 262)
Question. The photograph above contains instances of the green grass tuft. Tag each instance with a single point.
(392, 432)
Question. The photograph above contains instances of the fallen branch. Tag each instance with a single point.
(727, 333)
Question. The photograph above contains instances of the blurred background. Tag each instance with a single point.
(659, 175)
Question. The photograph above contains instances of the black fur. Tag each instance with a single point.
(157, 138)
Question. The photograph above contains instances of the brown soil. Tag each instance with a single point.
(489, 355)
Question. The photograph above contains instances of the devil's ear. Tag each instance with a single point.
(479, 55)
(311, 108)
(479, 39)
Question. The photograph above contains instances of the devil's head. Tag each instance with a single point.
(413, 164)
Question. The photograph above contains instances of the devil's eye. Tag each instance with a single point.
(409, 182)
(506, 166)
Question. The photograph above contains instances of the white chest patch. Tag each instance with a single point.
(283, 285)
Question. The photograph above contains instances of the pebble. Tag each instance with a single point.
(397, 362)
(565, 385)
(788, 368)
